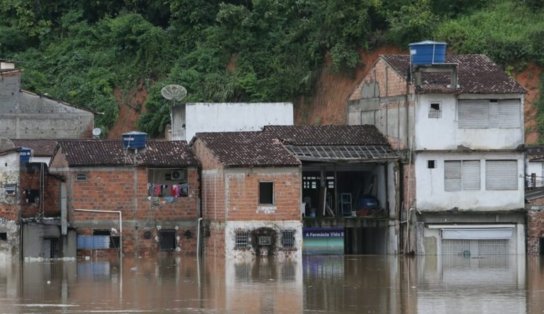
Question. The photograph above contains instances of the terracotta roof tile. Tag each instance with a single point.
(477, 74)
(309, 135)
(247, 149)
(92, 153)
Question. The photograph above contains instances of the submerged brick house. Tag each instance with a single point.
(153, 190)
(251, 192)
(30, 203)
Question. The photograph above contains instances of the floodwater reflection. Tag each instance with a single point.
(315, 284)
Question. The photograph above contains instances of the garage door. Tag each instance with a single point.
(477, 242)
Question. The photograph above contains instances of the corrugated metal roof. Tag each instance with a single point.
(92, 153)
(344, 153)
(477, 74)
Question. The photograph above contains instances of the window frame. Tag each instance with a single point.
(435, 113)
(288, 239)
(261, 200)
(462, 176)
(162, 183)
(514, 176)
(241, 239)
(493, 114)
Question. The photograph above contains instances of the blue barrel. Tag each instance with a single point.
(134, 140)
(24, 154)
(427, 52)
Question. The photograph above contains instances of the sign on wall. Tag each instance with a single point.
(318, 240)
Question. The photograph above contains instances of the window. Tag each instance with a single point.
(288, 239)
(266, 193)
(10, 188)
(241, 240)
(461, 175)
(167, 183)
(430, 164)
(310, 182)
(434, 111)
(113, 239)
(482, 114)
(81, 177)
(3, 236)
(32, 196)
(501, 175)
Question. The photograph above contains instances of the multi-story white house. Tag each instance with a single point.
(460, 121)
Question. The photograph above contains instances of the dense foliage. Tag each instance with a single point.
(237, 50)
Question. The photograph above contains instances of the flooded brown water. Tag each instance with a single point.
(316, 284)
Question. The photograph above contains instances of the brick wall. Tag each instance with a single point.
(50, 197)
(126, 190)
(535, 226)
(390, 83)
(214, 243)
(242, 194)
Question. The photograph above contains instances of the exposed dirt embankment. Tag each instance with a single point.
(530, 80)
(131, 105)
(329, 103)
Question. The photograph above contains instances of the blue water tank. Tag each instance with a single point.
(427, 52)
(24, 154)
(134, 140)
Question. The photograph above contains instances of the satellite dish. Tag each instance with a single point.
(173, 92)
(97, 132)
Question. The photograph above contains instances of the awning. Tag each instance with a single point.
(477, 234)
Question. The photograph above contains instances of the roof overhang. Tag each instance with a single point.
(344, 153)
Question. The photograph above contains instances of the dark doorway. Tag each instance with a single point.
(167, 240)
(51, 248)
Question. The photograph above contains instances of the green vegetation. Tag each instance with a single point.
(238, 50)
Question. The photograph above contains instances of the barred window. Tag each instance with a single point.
(434, 111)
(241, 240)
(288, 238)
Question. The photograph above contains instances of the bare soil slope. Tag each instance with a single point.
(328, 105)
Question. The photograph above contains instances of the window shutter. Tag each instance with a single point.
(508, 113)
(452, 175)
(471, 175)
(473, 114)
(501, 175)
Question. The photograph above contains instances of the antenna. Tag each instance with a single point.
(96, 133)
(173, 92)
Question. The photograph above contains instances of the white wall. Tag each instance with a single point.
(247, 255)
(431, 195)
(220, 117)
(444, 133)
(9, 174)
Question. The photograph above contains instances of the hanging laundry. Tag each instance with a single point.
(175, 190)
(184, 190)
(157, 190)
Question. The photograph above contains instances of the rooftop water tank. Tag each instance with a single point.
(134, 140)
(24, 154)
(427, 52)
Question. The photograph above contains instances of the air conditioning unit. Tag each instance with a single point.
(177, 175)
